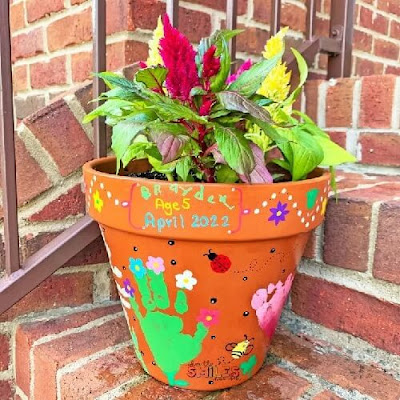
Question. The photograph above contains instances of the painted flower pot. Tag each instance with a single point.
(203, 270)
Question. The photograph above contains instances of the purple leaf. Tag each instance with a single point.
(169, 145)
(260, 173)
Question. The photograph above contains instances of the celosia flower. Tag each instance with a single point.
(156, 264)
(208, 317)
(205, 108)
(275, 44)
(211, 64)
(276, 84)
(179, 58)
(244, 67)
(154, 57)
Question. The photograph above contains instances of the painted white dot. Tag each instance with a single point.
(317, 208)
(265, 203)
(109, 195)
(90, 190)
(273, 196)
(233, 189)
(94, 178)
(299, 213)
(308, 214)
(246, 211)
(284, 190)
(321, 198)
(257, 211)
(313, 218)
(325, 189)
(116, 202)
(124, 204)
(229, 232)
(302, 220)
(101, 185)
(294, 205)
(290, 197)
(91, 183)
(307, 224)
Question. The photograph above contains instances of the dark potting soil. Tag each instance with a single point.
(149, 175)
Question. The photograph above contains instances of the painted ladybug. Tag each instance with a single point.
(219, 262)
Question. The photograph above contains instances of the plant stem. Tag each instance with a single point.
(169, 176)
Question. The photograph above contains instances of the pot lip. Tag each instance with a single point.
(90, 167)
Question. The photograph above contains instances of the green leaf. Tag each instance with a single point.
(152, 77)
(135, 151)
(183, 167)
(282, 163)
(197, 90)
(235, 149)
(125, 131)
(250, 81)
(159, 166)
(226, 174)
(120, 94)
(218, 81)
(270, 131)
(303, 70)
(333, 153)
(310, 126)
(113, 107)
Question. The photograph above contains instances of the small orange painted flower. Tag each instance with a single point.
(97, 201)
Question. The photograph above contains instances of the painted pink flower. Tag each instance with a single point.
(179, 58)
(208, 317)
(244, 67)
(211, 64)
(269, 303)
(156, 264)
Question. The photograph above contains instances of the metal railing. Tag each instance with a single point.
(21, 279)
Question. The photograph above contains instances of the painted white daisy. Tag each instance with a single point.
(185, 280)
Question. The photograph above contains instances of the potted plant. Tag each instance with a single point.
(216, 191)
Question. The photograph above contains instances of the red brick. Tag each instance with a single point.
(28, 333)
(376, 101)
(194, 24)
(45, 74)
(343, 309)
(17, 16)
(119, 16)
(294, 17)
(326, 395)
(30, 243)
(27, 45)
(311, 93)
(82, 68)
(6, 391)
(252, 40)
(271, 383)
(20, 77)
(28, 171)
(70, 203)
(100, 376)
(339, 138)
(342, 371)
(395, 29)
(383, 48)
(51, 356)
(321, 26)
(367, 67)
(362, 41)
(56, 291)
(376, 22)
(390, 6)
(339, 103)
(4, 352)
(62, 136)
(126, 52)
(152, 389)
(84, 94)
(37, 9)
(347, 227)
(311, 248)
(386, 260)
(79, 30)
(392, 70)
(220, 5)
(380, 148)
(146, 12)
(94, 253)
(262, 11)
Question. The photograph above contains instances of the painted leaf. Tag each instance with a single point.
(260, 173)
(235, 149)
(250, 81)
(152, 77)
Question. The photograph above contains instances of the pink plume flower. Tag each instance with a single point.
(244, 67)
(211, 64)
(205, 108)
(179, 58)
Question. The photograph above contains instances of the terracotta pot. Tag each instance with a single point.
(203, 270)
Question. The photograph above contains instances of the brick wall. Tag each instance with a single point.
(347, 291)
(51, 39)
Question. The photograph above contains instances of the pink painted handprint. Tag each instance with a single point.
(269, 303)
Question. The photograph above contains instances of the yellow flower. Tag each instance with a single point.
(275, 45)
(97, 201)
(276, 84)
(154, 57)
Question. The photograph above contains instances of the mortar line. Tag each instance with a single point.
(396, 105)
(373, 234)
(123, 388)
(321, 101)
(79, 113)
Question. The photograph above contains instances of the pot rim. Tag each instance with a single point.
(90, 167)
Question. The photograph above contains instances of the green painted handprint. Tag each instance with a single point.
(170, 347)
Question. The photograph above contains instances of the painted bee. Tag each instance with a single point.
(240, 349)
